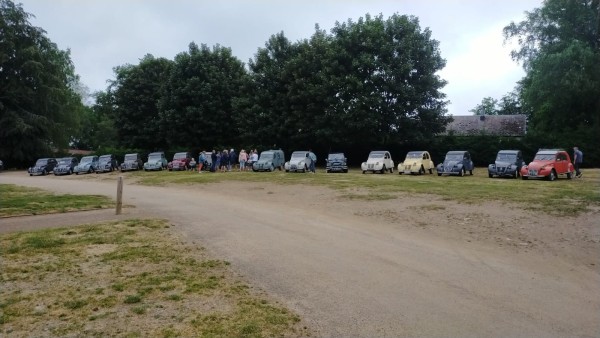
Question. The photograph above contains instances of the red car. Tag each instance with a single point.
(181, 161)
(549, 164)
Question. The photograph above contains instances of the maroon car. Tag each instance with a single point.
(181, 161)
(549, 164)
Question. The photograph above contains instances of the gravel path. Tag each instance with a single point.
(349, 275)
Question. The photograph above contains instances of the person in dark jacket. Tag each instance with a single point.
(232, 159)
(224, 161)
(214, 164)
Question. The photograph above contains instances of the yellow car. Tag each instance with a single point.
(416, 162)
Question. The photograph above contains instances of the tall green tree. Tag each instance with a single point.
(559, 46)
(488, 106)
(196, 108)
(39, 110)
(133, 99)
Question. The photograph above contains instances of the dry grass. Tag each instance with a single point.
(130, 278)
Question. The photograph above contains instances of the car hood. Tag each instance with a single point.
(452, 163)
(375, 160)
(264, 161)
(503, 164)
(296, 160)
(538, 164)
(63, 166)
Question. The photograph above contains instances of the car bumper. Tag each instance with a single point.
(507, 172)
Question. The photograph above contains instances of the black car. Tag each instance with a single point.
(132, 162)
(508, 164)
(457, 162)
(65, 166)
(336, 162)
(107, 163)
(43, 166)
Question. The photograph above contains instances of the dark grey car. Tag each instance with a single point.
(336, 162)
(457, 162)
(66, 166)
(508, 164)
(107, 163)
(132, 162)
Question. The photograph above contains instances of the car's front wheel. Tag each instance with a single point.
(364, 171)
(421, 170)
(552, 176)
(569, 175)
(383, 170)
(516, 174)
(462, 172)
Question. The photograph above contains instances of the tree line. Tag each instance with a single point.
(368, 83)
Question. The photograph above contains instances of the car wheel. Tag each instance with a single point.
(430, 171)
(421, 170)
(569, 175)
(90, 170)
(439, 174)
(364, 171)
(524, 177)
(552, 176)
(471, 172)
(516, 174)
(32, 174)
(490, 175)
(382, 170)
(391, 170)
(345, 171)
(44, 172)
(462, 172)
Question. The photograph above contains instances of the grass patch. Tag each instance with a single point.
(19, 201)
(562, 197)
(127, 278)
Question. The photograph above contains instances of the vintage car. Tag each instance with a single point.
(336, 162)
(156, 161)
(299, 162)
(43, 166)
(456, 163)
(106, 163)
(549, 164)
(508, 164)
(269, 160)
(87, 164)
(416, 162)
(132, 162)
(378, 161)
(66, 166)
(181, 161)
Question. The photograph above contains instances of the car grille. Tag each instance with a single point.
(370, 166)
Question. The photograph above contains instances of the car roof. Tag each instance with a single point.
(416, 152)
(549, 151)
(379, 152)
(456, 152)
(300, 151)
(157, 153)
(508, 151)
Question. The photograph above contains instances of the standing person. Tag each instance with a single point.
(577, 160)
(232, 158)
(254, 157)
(216, 161)
(242, 158)
(201, 159)
(313, 161)
(224, 161)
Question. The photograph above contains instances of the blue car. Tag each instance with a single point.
(456, 163)
(88, 164)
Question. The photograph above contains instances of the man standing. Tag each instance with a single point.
(577, 160)
(313, 161)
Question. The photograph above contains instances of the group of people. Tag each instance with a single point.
(225, 160)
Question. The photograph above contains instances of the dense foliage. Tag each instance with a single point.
(39, 110)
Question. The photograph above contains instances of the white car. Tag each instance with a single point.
(300, 161)
(378, 161)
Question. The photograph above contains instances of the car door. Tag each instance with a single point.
(467, 163)
(561, 163)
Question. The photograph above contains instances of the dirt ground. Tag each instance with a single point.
(400, 267)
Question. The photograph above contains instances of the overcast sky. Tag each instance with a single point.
(103, 34)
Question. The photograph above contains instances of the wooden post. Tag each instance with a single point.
(119, 195)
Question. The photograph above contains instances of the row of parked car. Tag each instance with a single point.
(547, 163)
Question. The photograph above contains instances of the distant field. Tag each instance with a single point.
(19, 201)
(561, 197)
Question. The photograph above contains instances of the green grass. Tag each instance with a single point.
(127, 278)
(19, 201)
(562, 197)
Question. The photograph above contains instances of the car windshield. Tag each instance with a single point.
(298, 155)
(64, 161)
(132, 157)
(266, 156)
(180, 156)
(413, 154)
(41, 162)
(454, 157)
(154, 157)
(506, 157)
(86, 159)
(543, 157)
(104, 158)
(376, 155)
(336, 156)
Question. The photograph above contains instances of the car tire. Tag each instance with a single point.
(471, 172)
(364, 172)
(90, 170)
(44, 172)
(272, 168)
(421, 170)
(569, 175)
(77, 173)
(32, 174)
(430, 171)
(552, 176)
(345, 171)
(524, 177)
(382, 170)
(462, 172)
(490, 176)
(516, 175)
(439, 174)
(391, 170)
